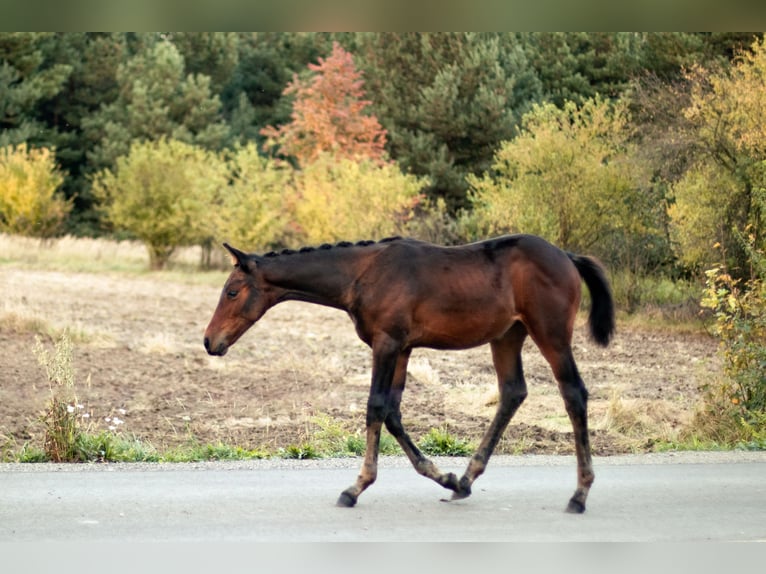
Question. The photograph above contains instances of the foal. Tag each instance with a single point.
(402, 294)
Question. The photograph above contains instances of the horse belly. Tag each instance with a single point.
(460, 328)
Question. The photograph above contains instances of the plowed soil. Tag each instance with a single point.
(138, 355)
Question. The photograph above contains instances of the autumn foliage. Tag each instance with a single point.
(328, 115)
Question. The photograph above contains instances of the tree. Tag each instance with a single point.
(328, 115)
(25, 82)
(94, 58)
(29, 202)
(252, 98)
(162, 193)
(211, 54)
(155, 100)
(569, 177)
(254, 207)
(717, 199)
(447, 100)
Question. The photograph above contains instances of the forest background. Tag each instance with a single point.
(644, 149)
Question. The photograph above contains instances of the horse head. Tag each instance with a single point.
(243, 301)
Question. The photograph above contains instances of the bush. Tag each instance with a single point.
(163, 193)
(345, 199)
(738, 402)
(571, 177)
(701, 215)
(253, 210)
(740, 324)
(29, 204)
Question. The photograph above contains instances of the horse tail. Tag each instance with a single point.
(601, 318)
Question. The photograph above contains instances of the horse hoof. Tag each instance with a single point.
(575, 507)
(346, 500)
(463, 490)
(460, 494)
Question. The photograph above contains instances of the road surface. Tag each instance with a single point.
(669, 497)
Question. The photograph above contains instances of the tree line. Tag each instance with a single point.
(634, 146)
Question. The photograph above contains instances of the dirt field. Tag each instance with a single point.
(139, 340)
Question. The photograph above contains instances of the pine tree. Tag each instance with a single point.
(328, 114)
(156, 99)
(25, 82)
(447, 100)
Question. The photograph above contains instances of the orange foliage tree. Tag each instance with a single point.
(328, 115)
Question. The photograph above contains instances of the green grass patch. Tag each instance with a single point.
(194, 452)
(440, 442)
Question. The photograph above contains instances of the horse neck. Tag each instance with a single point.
(323, 277)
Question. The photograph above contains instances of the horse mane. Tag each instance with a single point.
(327, 246)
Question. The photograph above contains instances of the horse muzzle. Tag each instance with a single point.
(218, 349)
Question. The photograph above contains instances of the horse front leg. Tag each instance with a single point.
(394, 425)
(384, 361)
(369, 471)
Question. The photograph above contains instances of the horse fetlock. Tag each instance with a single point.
(449, 480)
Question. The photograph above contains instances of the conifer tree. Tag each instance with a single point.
(155, 100)
(328, 115)
(447, 100)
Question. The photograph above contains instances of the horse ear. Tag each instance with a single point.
(240, 258)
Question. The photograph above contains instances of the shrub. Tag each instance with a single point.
(740, 324)
(738, 402)
(345, 199)
(253, 210)
(570, 176)
(29, 204)
(163, 193)
(701, 215)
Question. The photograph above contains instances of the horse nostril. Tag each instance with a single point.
(207, 344)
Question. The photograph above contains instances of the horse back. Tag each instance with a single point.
(463, 296)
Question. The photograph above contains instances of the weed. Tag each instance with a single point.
(303, 451)
(439, 442)
(62, 418)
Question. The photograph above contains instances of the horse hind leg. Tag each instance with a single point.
(506, 356)
(575, 397)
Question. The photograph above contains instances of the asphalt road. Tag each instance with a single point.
(671, 497)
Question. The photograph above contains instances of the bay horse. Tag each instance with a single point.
(402, 294)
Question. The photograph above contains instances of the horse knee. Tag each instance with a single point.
(394, 424)
(377, 409)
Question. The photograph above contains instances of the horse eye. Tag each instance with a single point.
(231, 294)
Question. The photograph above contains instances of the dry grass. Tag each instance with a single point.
(81, 254)
(640, 421)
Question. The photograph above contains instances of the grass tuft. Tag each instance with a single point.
(439, 442)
